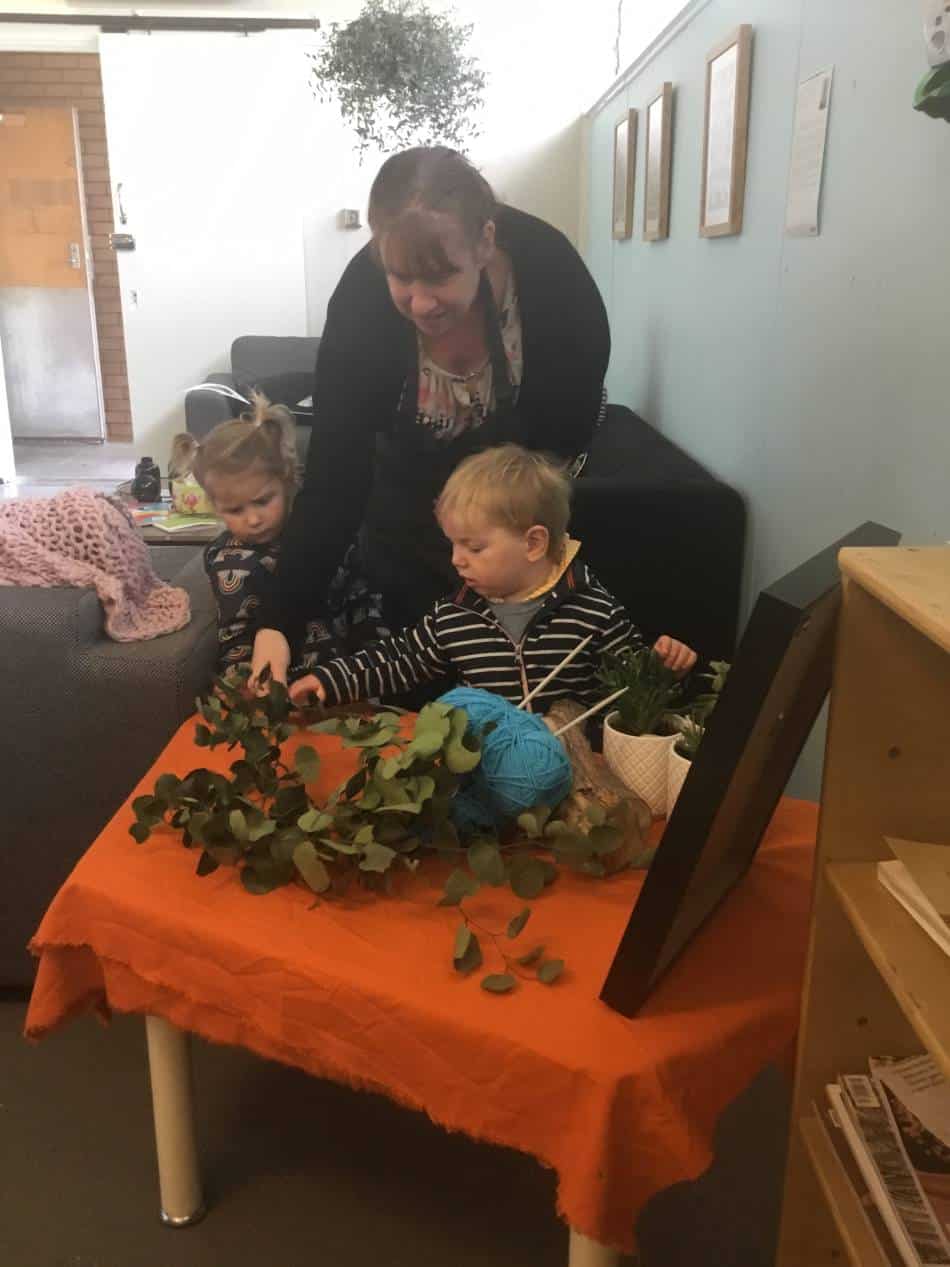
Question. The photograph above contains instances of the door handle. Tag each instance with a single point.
(75, 255)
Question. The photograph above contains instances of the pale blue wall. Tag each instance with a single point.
(813, 374)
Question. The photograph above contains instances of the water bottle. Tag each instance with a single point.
(147, 484)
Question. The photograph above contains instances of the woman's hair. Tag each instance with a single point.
(263, 436)
(412, 185)
(511, 488)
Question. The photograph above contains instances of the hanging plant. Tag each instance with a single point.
(401, 77)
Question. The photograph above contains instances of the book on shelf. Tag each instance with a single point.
(897, 1125)
(830, 1121)
(918, 876)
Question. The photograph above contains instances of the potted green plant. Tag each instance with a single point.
(691, 727)
(401, 77)
(637, 740)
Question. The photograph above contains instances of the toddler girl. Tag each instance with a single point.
(248, 468)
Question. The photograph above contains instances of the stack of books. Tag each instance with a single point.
(891, 1131)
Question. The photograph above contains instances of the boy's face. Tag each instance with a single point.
(253, 504)
(494, 561)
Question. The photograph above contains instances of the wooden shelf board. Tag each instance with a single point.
(914, 967)
(857, 1234)
(914, 582)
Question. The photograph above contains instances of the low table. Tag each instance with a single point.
(362, 991)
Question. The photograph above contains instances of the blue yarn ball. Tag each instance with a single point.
(522, 763)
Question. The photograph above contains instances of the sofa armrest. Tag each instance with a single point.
(89, 715)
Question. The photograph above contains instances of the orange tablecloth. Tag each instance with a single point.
(363, 992)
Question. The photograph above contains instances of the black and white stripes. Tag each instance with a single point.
(461, 640)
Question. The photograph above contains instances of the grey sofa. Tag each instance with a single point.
(280, 366)
(83, 718)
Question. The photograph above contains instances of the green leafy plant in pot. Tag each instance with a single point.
(691, 727)
(637, 740)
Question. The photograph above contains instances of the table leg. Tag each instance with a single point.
(584, 1252)
(169, 1063)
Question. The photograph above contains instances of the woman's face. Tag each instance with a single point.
(437, 302)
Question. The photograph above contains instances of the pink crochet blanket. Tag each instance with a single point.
(86, 539)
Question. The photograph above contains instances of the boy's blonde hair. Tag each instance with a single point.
(262, 436)
(511, 488)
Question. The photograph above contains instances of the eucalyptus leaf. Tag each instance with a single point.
(526, 876)
(605, 840)
(550, 970)
(463, 936)
(256, 882)
(238, 824)
(166, 785)
(140, 832)
(307, 763)
(487, 863)
(471, 959)
(377, 857)
(206, 863)
(517, 924)
(314, 820)
(459, 885)
(525, 961)
(499, 983)
(313, 869)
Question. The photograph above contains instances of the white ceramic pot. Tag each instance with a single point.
(677, 770)
(640, 762)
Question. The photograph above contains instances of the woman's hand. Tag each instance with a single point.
(675, 655)
(305, 686)
(270, 648)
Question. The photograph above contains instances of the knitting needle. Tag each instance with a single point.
(555, 671)
(590, 712)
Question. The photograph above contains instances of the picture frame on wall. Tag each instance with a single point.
(659, 150)
(625, 166)
(725, 134)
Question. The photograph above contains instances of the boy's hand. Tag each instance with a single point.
(675, 655)
(305, 686)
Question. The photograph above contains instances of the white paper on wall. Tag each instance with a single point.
(808, 155)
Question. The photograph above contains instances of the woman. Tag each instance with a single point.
(462, 324)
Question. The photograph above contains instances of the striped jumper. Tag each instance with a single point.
(460, 639)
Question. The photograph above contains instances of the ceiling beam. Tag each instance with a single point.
(112, 23)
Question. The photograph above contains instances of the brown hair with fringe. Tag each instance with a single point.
(408, 189)
(511, 487)
(263, 436)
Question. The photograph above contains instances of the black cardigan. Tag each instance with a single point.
(362, 466)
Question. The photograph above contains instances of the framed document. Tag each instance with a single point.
(775, 689)
(656, 185)
(725, 135)
(625, 162)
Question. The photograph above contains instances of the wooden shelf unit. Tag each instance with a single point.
(875, 984)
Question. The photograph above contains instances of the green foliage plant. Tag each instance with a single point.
(401, 76)
(393, 811)
(692, 723)
(650, 689)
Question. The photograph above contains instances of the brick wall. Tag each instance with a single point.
(73, 79)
